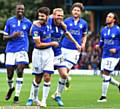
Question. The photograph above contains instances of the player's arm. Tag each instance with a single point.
(84, 38)
(40, 44)
(14, 35)
(114, 50)
(69, 36)
(7, 36)
(37, 40)
(84, 35)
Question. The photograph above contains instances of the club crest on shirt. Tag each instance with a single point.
(24, 27)
(71, 24)
(81, 26)
(113, 35)
(62, 32)
(105, 34)
(13, 25)
(44, 32)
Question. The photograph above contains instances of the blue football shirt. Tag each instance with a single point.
(110, 38)
(20, 43)
(44, 32)
(77, 29)
(57, 33)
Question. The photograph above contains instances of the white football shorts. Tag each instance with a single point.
(43, 61)
(59, 61)
(71, 57)
(109, 63)
(16, 58)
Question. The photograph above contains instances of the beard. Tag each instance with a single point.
(58, 21)
(42, 21)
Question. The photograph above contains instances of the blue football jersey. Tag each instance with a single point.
(44, 32)
(110, 38)
(57, 33)
(77, 29)
(14, 25)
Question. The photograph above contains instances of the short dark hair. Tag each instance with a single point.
(44, 10)
(79, 5)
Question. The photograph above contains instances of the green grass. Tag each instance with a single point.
(83, 93)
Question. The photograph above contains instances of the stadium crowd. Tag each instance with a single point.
(90, 58)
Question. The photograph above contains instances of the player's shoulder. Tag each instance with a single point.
(34, 27)
(27, 20)
(117, 27)
(68, 19)
(49, 21)
(11, 19)
(104, 28)
(83, 21)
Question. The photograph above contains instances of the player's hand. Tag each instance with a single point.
(36, 23)
(97, 46)
(78, 47)
(83, 46)
(16, 34)
(55, 44)
(63, 25)
(113, 50)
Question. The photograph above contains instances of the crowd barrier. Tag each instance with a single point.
(72, 72)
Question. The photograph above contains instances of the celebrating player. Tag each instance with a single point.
(58, 30)
(17, 28)
(42, 57)
(78, 29)
(110, 41)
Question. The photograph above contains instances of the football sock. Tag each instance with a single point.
(34, 90)
(10, 83)
(19, 82)
(60, 87)
(46, 89)
(105, 84)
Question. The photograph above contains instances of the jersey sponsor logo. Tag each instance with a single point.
(108, 42)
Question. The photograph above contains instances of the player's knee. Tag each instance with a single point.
(19, 73)
(64, 76)
(37, 80)
(47, 77)
(106, 78)
(106, 72)
(10, 77)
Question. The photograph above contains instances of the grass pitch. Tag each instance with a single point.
(83, 94)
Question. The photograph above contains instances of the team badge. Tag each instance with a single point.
(44, 32)
(81, 26)
(105, 34)
(113, 35)
(13, 25)
(24, 27)
(71, 24)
